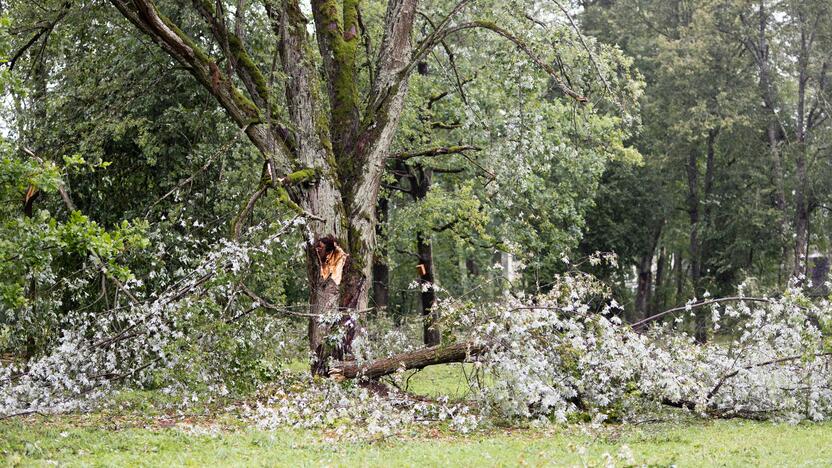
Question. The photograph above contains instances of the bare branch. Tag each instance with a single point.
(145, 16)
(43, 31)
(439, 151)
(451, 59)
(583, 42)
(698, 304)
(729, 375)
(431, 42)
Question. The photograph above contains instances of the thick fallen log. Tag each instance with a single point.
(458, 352)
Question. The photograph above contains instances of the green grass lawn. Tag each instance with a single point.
(39, 442)
(144, 437)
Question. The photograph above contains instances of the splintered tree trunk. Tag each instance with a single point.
(420, 179)
(431, 335)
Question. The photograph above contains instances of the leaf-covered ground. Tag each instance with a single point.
(135, 432)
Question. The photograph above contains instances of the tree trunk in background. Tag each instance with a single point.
(679, 277)
(659, 295)
(710, 176)
(381, 268)
(820, 274)
(645, 280)
(645, 276)
(421, 179)
(759, 47)
(801, 215)
(694, 244)
(699, 220)
(471, 266)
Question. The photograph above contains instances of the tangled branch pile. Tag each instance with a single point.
(551, 357)
(568, 352)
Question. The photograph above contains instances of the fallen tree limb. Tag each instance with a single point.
(418, 359)
(460, 352)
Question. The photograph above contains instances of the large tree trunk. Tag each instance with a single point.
(325, 145)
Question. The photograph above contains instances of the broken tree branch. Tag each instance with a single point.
(61, 189)
(418, 359)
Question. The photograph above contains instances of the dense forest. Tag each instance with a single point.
(604, 206)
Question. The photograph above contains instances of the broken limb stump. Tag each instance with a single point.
(418, 359)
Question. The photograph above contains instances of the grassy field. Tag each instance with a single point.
(160, 440)
(38, 442)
